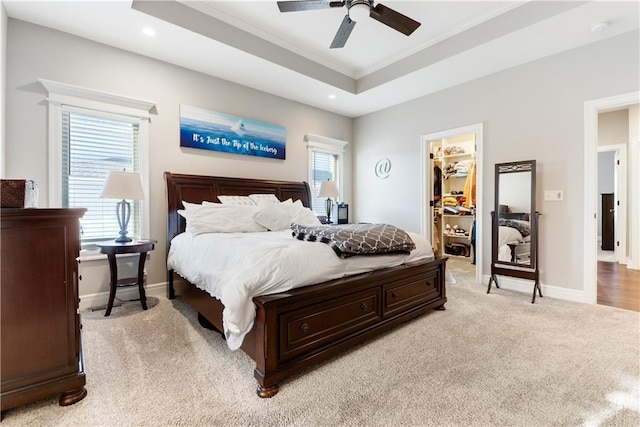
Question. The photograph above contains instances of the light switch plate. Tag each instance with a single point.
(553, 195)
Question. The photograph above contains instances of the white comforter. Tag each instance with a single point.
(507, 235)
(235, 267)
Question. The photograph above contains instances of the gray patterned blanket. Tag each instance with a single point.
(357, 239)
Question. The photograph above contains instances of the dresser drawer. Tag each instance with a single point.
(312, 327)
(413, 292)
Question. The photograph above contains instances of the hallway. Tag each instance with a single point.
(618, 286)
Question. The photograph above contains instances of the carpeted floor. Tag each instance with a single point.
(487, 360)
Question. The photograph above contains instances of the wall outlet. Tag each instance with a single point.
(553, 195)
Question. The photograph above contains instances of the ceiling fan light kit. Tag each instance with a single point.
(357, 10)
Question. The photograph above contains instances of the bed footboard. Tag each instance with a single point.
(297, 329)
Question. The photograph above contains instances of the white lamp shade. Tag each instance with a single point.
(122, 185)
(328, 189)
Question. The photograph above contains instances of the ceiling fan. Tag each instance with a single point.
(381, 13)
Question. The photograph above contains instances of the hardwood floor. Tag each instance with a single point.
(618, 286)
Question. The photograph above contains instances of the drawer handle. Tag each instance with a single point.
(364, 306)
(394, 295)
(304, 327)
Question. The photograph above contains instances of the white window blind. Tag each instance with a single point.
(325, 163)
(92, 145)
(324, 166)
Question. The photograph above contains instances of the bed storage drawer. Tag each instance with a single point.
(320, 324)
(412, 292)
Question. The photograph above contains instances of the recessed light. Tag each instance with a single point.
(148, 32)
(599, 27)
(332, 96)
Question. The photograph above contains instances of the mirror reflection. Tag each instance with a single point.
(514, 213)
(514, 200)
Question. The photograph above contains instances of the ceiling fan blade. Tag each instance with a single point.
(295, 6)
(343, 33)
(393, 19)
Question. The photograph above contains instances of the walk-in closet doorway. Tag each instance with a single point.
(447, 159)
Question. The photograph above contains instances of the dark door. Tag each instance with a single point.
(608, 234)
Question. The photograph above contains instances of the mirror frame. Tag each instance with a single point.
(508, 168)
(513, 269)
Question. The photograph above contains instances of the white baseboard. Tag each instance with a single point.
(526, 286)
(102, 298)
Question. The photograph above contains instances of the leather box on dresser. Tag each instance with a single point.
(41, 351)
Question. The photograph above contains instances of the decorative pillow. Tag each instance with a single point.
(236, 200)
(261, 199)
(221, 219)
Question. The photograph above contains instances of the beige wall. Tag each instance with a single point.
(35, 52)
(613, 127)
(534, 111)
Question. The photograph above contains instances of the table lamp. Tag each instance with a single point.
(123, 185)
(328, 189)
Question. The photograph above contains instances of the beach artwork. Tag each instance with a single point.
(210, 130)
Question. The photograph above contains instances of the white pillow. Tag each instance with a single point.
(277, 217)
(273, 217)
(236, 200)
(221, 219)
(261, 199)
(189, 205)
(304, 216)
(215, 205)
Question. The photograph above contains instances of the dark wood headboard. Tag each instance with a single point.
(198, 188)
(523, 216)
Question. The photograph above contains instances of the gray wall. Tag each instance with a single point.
(534, 111)
(36, 52)
(3, 82)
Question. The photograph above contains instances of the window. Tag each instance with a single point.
(324, 166)
(325, 163)
(91, 133)
(92, 145)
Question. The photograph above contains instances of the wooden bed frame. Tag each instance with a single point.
(300, 327)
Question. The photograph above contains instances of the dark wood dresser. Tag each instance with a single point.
(41, 351)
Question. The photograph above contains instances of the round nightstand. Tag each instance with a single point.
(111, 249)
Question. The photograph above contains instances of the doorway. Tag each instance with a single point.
(612, 189)
(592, 198)
(427, 211)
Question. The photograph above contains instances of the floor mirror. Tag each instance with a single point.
(514, 224)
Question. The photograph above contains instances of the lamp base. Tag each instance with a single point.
(123, 212)
(328, 204)
(123, 239)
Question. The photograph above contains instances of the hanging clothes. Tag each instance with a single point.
(437, 183)
(469, 190)
(436, 236)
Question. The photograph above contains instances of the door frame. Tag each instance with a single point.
(427, 185)
(590, 207)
